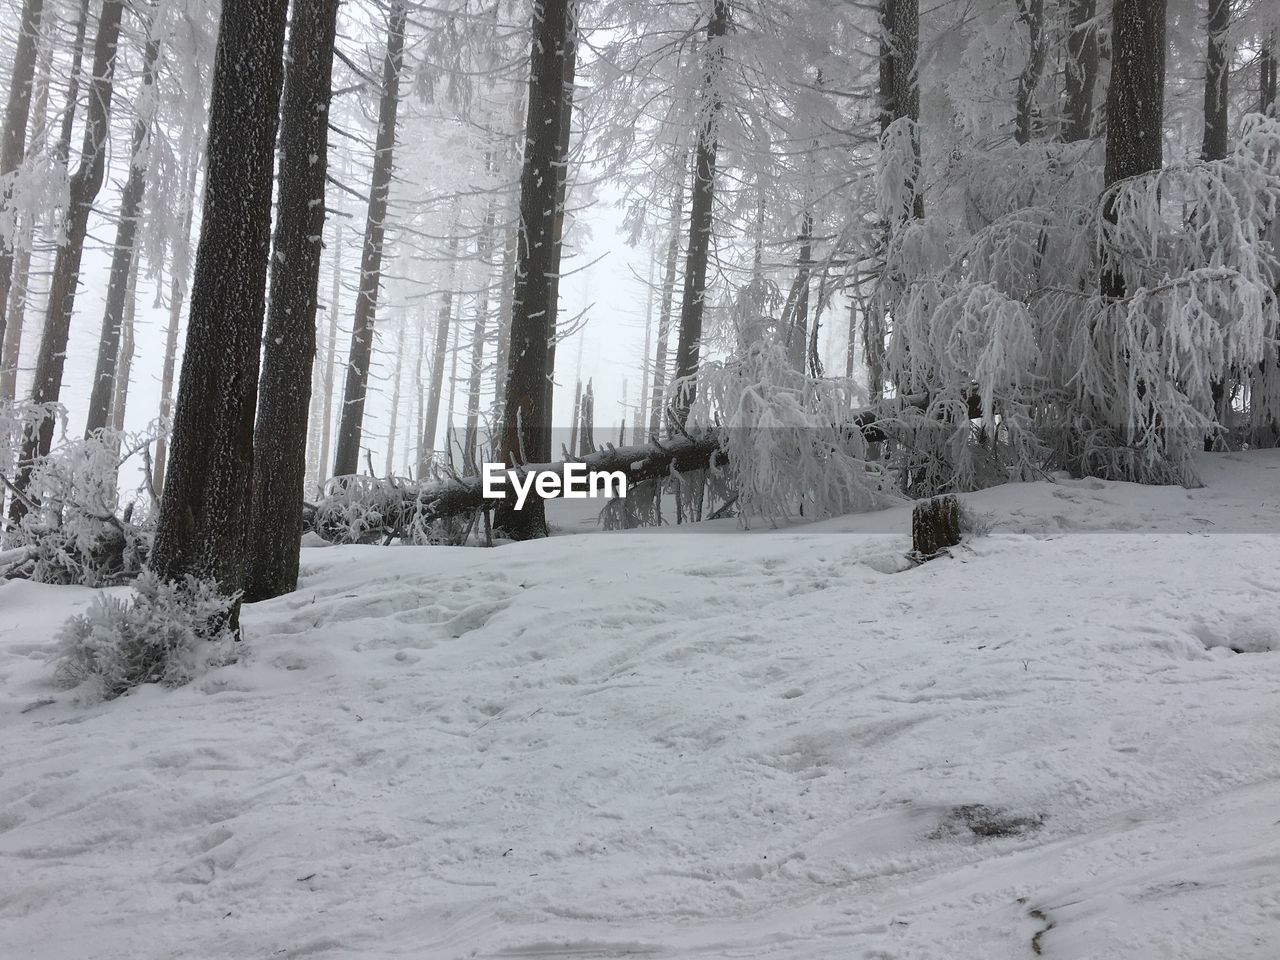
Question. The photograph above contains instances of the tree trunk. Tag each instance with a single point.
(1217, 63)
(689, 345)
(1135, 108)
(438, 357)
(1267, 62)
(526, 413)
(658, 390)
(479, 329)
(396, 376)
(179, 267)
(1214, 144)
(1082, 69)
(346, 460)
(330, 359)
(84, 187)
(906, 84)
(454, 349)
(124, 361)
(641, 411)
(1031, 12)
(125, 253)
(284, 392)
(797, 321)
(586, 428)
(13, 139)
(570, 69)
(206, 503)
(509, 250)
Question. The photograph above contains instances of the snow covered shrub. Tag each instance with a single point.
(791, 442)
(1001, 328)
(74, 529)
(165, 633)
(358, 509)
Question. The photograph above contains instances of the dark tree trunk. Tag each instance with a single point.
(526, 412)
(284, 392)
(797, 325)
(438, 358)
(125, 253)
(347, 458)
(1082, 69)
(689, 345)
(179, 268)
(1214, 144)
(85, 183)
(906, 83)
(206, 503)
(13, 139)
(660, 360)
(1031, 12)
(1267, 62)
(1135, 107)
(570, 62)
(587, 422)
(935, 526)
(1217, 63)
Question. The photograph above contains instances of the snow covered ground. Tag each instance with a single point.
(775, 743)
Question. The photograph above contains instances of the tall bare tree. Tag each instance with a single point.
(351, 424)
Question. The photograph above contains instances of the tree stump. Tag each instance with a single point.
(935, 526)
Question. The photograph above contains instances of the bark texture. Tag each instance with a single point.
(206, 501)
(526, 411)
(1217, 60)
(1135, 107)
(1082, 69)
(284, 391)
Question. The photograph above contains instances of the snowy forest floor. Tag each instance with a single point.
(774, 743)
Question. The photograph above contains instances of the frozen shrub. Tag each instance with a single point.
(167, 632)
(75, 530)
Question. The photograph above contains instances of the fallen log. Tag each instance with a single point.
(358, 509)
